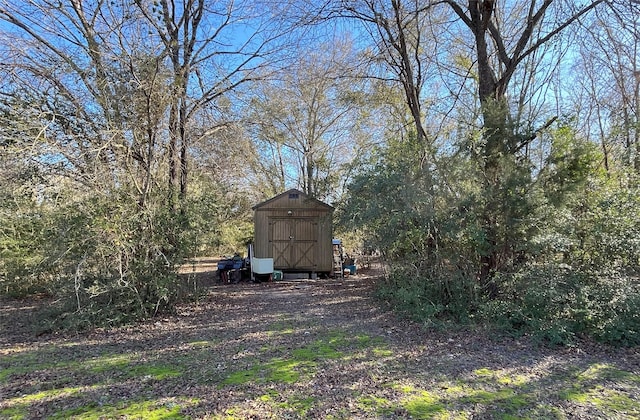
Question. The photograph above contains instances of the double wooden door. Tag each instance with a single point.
(293, 243)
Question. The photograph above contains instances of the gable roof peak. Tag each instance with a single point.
(290, 194)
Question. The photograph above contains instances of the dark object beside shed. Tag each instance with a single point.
(296, 231)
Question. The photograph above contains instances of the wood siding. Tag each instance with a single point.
(295, 232)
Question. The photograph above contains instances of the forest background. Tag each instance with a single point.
(488, 149)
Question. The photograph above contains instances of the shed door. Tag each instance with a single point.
(293, 242)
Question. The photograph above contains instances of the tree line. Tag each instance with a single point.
(489, 150)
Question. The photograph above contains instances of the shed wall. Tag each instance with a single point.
(296, 233)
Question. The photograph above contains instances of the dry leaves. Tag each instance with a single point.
(301, 349)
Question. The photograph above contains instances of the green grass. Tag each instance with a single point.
(88, 382)
(493, 392)
(63, 368)
(19, 406)
(277, 370)
(587, 389)
(14, 413)
(603, 371)
(509, 400)
(29, 361)
(611, 402)
(202, 344)
(147, 410)
(7, 372)
(513, 396)
(424, 405)
(157, 372)
(297, 404)
(42, 395)
(291, 367)
(378, 405)
(107, 363)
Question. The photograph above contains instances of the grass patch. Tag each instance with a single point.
(64, 360)
(148, 410)
(283, 371)
(42, 395)
(587, 389)
(600, 371)
(157, 372)
(269, 396)
(492, 390)
(609, 401)
(14, 413)
(420, 404)
(506, 398)
(5, 373)
(277, 370)
(109, 363)
(63, 374)
(283, 327)
(202, 344)
(381, 352)
(288, 370)
(424, 405)
(518, 380)
(26, 362)
(317, 350)
(242, 377)
(484, 372)
(18, 408)
(378, 405)
(298, 405)
(124, 364)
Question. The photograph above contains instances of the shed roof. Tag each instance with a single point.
(302, 200)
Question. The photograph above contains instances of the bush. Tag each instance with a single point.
(106, 259)
(429, 300)
(553, 304)
(614, 313)
(557, 305)
(563, 242)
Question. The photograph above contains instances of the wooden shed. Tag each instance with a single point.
(296, 231)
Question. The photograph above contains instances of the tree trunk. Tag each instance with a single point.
(495, 116)
(173, 151)
(184, 149)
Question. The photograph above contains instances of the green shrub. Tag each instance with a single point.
(435, 301)
(104, 257)
(558, 304)
(614, 310)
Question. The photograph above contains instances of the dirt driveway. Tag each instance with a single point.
(302, 349)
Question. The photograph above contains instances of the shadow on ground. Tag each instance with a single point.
(302, 349)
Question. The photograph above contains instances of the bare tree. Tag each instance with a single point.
(500, 50)
(608, 102)
(212, 49)
(399, 30)
(505, 37)
(305, 120)
(97, 89)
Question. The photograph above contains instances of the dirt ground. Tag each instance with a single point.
(302, 349)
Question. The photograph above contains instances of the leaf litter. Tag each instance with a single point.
(302, 349)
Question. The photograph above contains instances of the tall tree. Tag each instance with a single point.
(306, 121)
(212, 49)
(399, 30)
(93, 85)
(75, 64)
(500, 50)
(102, 83)
(402, 54)
(608, 101)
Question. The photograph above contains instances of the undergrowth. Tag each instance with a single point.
(552, 305)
